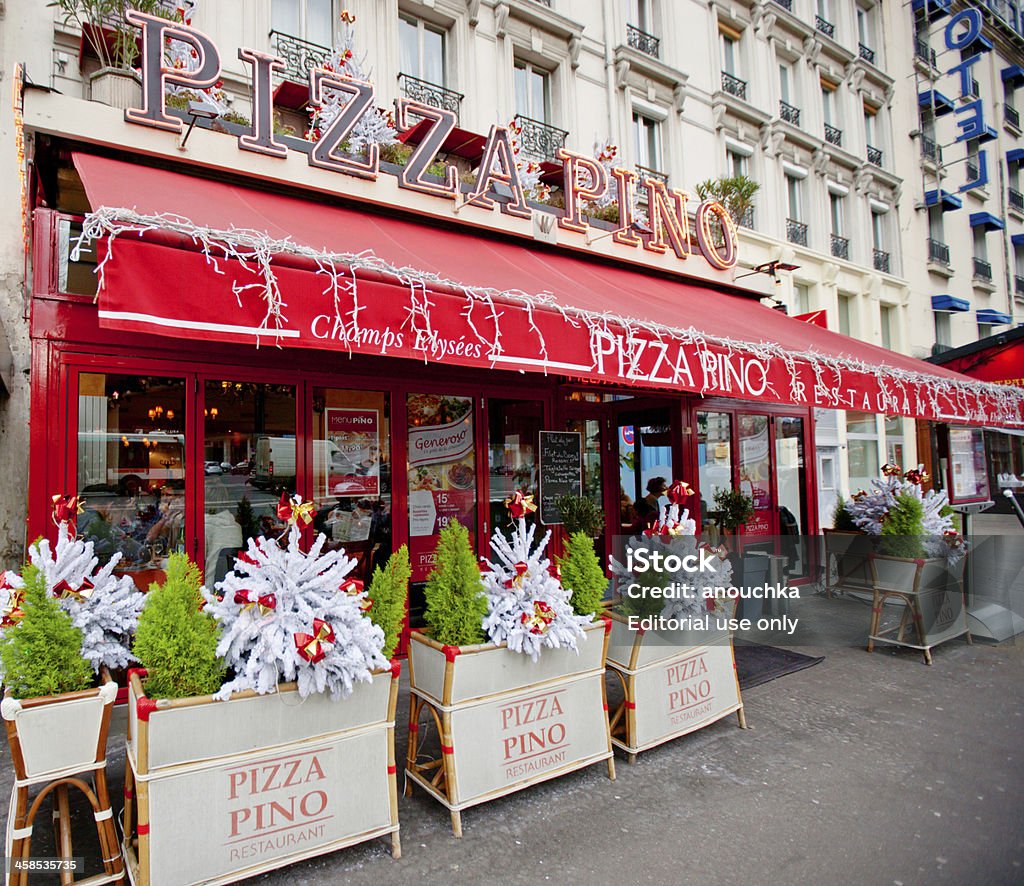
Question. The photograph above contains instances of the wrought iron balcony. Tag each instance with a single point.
(546, 3)
(430, 93)
(540, 140)
(643, 172)
(874, 156)
(881, 259)
(866, 53)
(734, 86)
(747, 219)
(1011, 115)
(300, 56)
(1015, 198)
(840, 247)
(1018, 284)
(833, 135)
(930, 149)
(786, 4)
(789, 113)
(924, 52)
(796, 231)
(641, 41)
(826, 27)
(982, 269)
(938, 252)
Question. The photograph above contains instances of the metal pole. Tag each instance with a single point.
(1016, 505)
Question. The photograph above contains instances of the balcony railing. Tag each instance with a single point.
(641, 41)
(785, 4)
(734, 86)
(643, 172)
(1018, 284)
(930, 149)
(1011, 115)
(866, 53)
(430, 93)
(938, 252)
(747, 219)
(840, 246)
(881, 259)
(833, 135)
(874, 156)
(540, 140)
(546, 3)
(1015, 198)
(796, 231)
(826, 27)
(982, 269)
(924, 52)
(789, 113)
(300, 56)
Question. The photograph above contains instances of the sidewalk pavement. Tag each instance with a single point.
(865, 769)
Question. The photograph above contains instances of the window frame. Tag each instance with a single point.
(529, 69)
(422, 27)
(304, 22)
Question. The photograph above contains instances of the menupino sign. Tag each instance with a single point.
(585, 178)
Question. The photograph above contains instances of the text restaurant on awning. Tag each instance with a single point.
(274, 270)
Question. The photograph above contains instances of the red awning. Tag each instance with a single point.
(345, 279)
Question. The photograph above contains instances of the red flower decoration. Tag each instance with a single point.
(314, 647)
(540, 620)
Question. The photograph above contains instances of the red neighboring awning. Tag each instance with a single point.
(461, 142)
(998, 358)
(430, 293)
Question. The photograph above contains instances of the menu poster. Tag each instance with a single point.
(442, 472)
(561, 471)
(352, 453)
(968, 474)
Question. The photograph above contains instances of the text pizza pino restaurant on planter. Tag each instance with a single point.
(217, 322)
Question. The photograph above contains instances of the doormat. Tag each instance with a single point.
(756, 664)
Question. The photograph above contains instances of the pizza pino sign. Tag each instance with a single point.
(585, 179)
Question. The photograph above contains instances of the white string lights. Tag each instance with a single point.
(902, 391)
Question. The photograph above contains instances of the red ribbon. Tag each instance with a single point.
(82, 593)
(311, 646)
(520, 505)
(354, 587)
(66, 509)
(541, 619)
(249, 599)
(554, 571)
(517, 581)
(890, 470)
(678, 492)
(293, 509)
(916, 477)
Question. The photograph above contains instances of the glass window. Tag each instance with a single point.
(791, 482)
(249, 458)
(845, 325)
(352, 474)
(862, 448)
(77, 277)
(835, 204)
(647, 141)
(737, 163)
(421, 50)
(131, 470)
(755, 465)
(870, 128)
(513, 434)
(784, 84)
(827, 100)
(714, 458)
(943, 333)
(532, 87)
(894, 440)
(793, 197)
(640, 15)
(885, 314)
(878, 230)
(312, 20)
(980, 243)
(730, 55)
(803, 298)
(590, 431)
(644, 443)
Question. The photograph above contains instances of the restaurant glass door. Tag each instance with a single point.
(644, 451)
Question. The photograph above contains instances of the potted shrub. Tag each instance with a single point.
(733, 509)
(264, 714)
(580, 514)
(917, 561)
(846, 553)
(672, 656)
(57, 719)
(510, 675)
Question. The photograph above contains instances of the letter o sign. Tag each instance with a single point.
(718, 259)
(972, 18)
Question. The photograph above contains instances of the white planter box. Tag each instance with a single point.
(218, 791)
(673, 684)
(116, 87)
(846, 558)
(934, 607)
(504, 722)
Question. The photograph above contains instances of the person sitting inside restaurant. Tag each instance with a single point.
(648, 507)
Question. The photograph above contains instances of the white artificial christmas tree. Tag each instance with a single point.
(675, 533)
(375, 126)
(182, 56)
(105, 607)
(290, 615)
(527, 607)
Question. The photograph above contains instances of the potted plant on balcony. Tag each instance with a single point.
(113, 41)
(57, 714)
(672, 655)
(734, 192)
(508, 674)
(292, 755)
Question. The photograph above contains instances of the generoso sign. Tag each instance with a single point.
(585, 179)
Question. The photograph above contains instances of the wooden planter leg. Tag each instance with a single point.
(876, 616)
(742, 718)
(410, 757)
(396, 846)
(457, 823)
(62, 829)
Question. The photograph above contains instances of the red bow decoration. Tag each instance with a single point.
(293, 509)
(890, 470)
(483, 565)
(916, 476)
(12, 613)
(541, 619)
(678, 492)
(354, 587)
(243, 557)
(314, 647)
(520, 505)
(555, 571)
(66, 509)
(83, 592)
(665, 530)
(517, 580)
(709, 604)
(250, 599)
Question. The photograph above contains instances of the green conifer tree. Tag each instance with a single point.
(388, 590)
(583, 575)
(903, 528)
(456, 602)
(176, 641)
(42, 653)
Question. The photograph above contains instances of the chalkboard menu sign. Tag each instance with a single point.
(561, 471)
